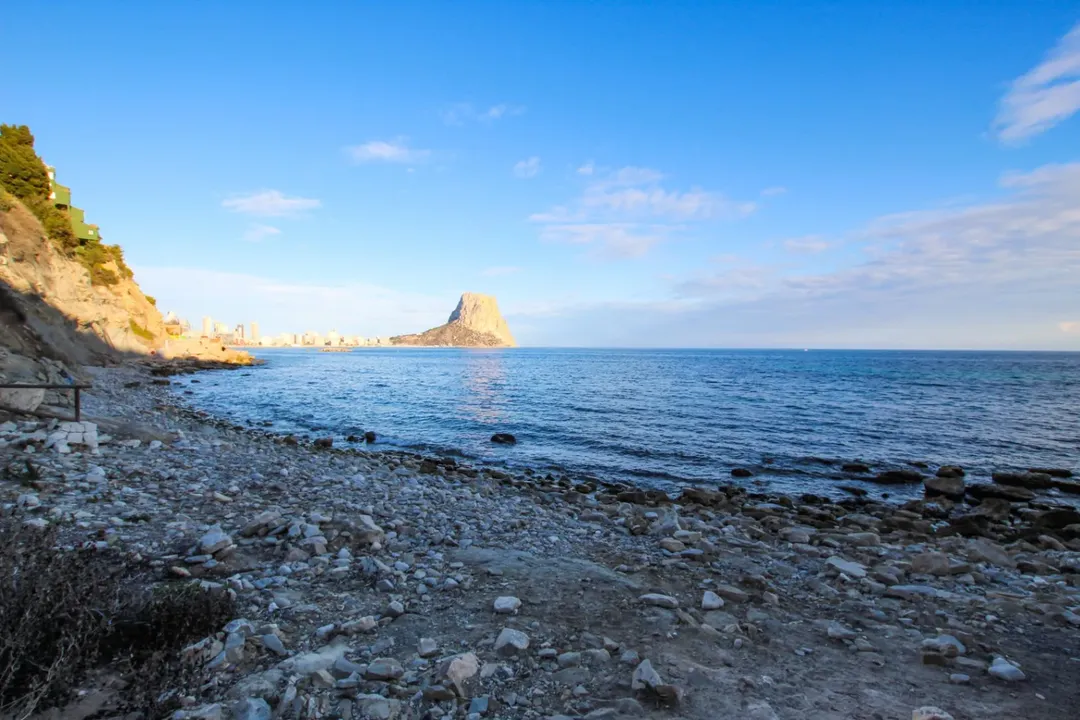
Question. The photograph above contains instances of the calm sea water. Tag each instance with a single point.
(666, 417)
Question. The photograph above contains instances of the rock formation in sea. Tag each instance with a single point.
(475, 322)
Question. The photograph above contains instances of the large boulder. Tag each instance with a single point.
(19, 400)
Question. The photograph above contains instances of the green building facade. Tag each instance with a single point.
(61, 198)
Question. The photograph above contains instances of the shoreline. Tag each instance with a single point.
(892, 483)
(395, 584)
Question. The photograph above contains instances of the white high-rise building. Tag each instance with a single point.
(208, 326)
(255, 332)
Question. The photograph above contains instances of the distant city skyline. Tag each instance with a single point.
(179, 326)
(838, 174)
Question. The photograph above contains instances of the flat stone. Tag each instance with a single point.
(384, 669)
(658, 600)
(427, 647)
(847, 567)
(930, 563)
(930, 713)
(731, 593)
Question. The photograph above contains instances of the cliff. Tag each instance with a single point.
(475, 322)
(53, 318)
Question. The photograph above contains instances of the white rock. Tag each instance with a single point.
(1002, 669)
(507, 605)
(711, 601)
(645, 677)
(511, 642)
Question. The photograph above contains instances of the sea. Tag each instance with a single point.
(668, 418)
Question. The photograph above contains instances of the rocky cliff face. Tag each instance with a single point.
(475, 322)
(52, 319)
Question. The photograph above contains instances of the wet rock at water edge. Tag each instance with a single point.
(855, 467)
(1029, 480)
(898, 477)
(951, 486)
(369, 437)
(1053, 472)
(741, 473)
(503, 439)
(950, 471)
(324, 443)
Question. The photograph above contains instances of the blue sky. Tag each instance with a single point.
(641, 174)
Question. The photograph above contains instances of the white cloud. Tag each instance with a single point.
(269, 203)
(612, 240)
(626, 212)
(526, 169)
(587, 169)
(773, 191)
(500, 271)
(996, 274)
(1045, 96)
(462, 113)
(807, 245)
(258, 233)
(388, 151)
(287, 306)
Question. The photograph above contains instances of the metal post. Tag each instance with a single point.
(78, 404)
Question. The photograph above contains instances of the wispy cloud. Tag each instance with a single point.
(625, 212)
(500, 271)
(773, 191)
(526, 169)
(807, 245)
(463, 112)
(269, 203)
(258, 233)
(587, 169)
(1045, 96)
(1069, 326)
(387, 151)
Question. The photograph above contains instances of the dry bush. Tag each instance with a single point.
(64, 613)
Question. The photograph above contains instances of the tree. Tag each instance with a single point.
(21, 171)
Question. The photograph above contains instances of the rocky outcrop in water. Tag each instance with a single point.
(475, 322)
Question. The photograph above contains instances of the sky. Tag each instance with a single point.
(642, 174)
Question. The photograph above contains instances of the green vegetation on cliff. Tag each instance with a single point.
(24, 176)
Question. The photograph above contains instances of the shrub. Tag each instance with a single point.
(151, 299)
(140, 331)
(6, 201)
(65, 613)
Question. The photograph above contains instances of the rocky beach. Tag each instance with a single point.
(385, 585)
